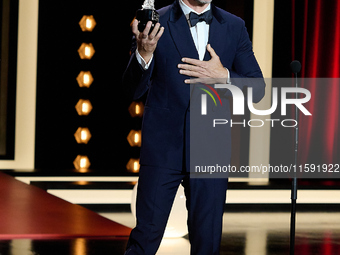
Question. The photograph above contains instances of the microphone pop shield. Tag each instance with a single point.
(295, 66)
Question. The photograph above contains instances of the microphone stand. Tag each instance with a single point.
(296, 67)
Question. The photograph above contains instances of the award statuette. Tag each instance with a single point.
(147, 13)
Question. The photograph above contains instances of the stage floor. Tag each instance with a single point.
(243, 234)
(34, 222)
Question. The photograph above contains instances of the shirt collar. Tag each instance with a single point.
(186, 9)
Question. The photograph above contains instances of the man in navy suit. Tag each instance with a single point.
(193, 39)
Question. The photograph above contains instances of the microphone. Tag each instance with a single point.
(295, 66)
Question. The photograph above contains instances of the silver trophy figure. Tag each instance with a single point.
(149, 4)
(147, 13)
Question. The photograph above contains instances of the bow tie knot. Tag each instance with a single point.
(195, 18)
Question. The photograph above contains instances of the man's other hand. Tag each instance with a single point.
(204, 69)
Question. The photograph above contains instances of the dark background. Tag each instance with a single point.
(58, 92)
(8, 67)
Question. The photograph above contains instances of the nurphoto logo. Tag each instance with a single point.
(239, 98)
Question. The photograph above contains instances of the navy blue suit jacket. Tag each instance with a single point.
(165, 130)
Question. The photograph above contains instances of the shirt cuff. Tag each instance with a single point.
(228, 79)
(142, 62)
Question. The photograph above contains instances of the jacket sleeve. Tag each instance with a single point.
(136, 80)
(246, 71)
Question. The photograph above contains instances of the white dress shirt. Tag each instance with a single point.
(200, 32)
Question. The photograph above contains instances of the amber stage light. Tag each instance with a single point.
(85, 79)
(82, 135)
(136, 109)
(135, 138)
(81, 163)
(84, 107)
(87, 23)
(86, 51)
(133, 165)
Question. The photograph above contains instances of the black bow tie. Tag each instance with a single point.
(195, 18)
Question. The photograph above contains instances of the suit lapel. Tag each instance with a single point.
(180, 33)
(216, 39)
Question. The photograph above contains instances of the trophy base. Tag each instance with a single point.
(145, 15)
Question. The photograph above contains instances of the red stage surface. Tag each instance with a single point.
(29, 212)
